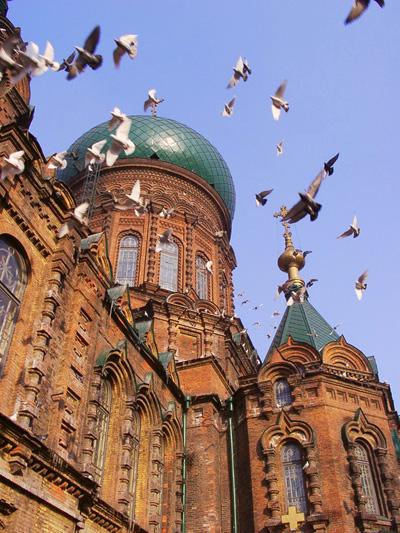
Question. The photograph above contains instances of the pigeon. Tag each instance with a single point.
(57, 161)
(166, 213)
(258, 324)
(142, 208)
(334, 329)
(117, 118)
(13, 165)
(86, 55)
(48, 57)
(134, 196)
(164, 240)
(358, 9)
(126, 44)
(279, 148)
(257, 307)
(278, 101)
(240, 294)
(120, 141)
(241, 71)
(66, 63)
(245, 302)
(228, 108)
(360, 285)
(307, 205)
(279, 290)
(275, 313)
(261, 197)
(152, 101)
(353, 230)
(268, 335)
(7, 50)
(209, 267)
(311, 282)
(296, 296)
(93, 154)
(33, 63)
(220, 233)
(79, 215)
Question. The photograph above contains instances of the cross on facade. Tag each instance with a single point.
(292, 518)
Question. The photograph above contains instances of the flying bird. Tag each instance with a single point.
(279, 148)
(13, 165)
(209, 267)
(256, 307)
(86, 55)
(152, 101)
(134, 195)
(275, 314)
(48, 57)
(353, 230)
(166, 213)
(8, 50)
(245, 302)
(93, 154)
(33, 63)
(120, 141)
(117, 118)
(126, 44)
(358, 9)
(261, 197)
(278, 102)
(241, 71)
(66, 63)
(58, 161)
(360, 285)
(164, 240)
(307, 205)
(228, 108)
(79, 215)
(311, 282)
(334, 329)
(296, 296)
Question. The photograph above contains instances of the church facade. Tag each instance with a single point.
(132, 398)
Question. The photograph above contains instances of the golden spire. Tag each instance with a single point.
(291, 260)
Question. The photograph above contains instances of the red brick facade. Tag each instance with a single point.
(114, 414)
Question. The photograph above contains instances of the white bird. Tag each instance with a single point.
(209, 267)
(152, 101)
(296, 296)
(79, 214)
(126, 44)
(33, 62)
(58, 161)
(278, 102)
(241, 71)
(120, 141)
(13, 165)
(279, 148)
(7, 50)
(134, 196)
(353, 230)
(117, 118)
(228, 108)
(93, 154)
(164, 240)
(48, 57)
(166, 213)
(360, 285)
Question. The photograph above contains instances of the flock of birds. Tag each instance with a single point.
(19, 60)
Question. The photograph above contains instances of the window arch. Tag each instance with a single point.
(283, 393)
(169, 257)
(201, 278)
(13, 276)
(292, 463)
(368, 488)
(103, 422)
(127, 260)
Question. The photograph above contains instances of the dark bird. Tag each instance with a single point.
(261, 197)
(86, 55)
(311, 282)
(66, 63)
(358, 9)
(353, 230)
(307, 205)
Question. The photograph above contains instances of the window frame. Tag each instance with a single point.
(203, 295)
(163, 254)
(288, 392)
(133, 280)
(302, 503)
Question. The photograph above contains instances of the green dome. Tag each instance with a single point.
(168, 141)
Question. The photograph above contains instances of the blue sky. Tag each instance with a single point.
(342, 88)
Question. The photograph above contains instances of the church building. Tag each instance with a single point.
(131, 396)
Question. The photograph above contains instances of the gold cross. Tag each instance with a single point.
(292, 518)
(282, 213)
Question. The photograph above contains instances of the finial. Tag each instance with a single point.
(291, 260)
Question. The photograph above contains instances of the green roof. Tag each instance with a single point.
(166, 140)
(302, 322)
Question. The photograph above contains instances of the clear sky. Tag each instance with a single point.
(343, 86)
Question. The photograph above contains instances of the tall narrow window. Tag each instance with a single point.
(127, 260)
(103, 422)
(294, 477)
(12, 286)
(366, 478)
(283, 394)
(201, 278)
(169, 267)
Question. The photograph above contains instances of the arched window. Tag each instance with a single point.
(201, 278)
(12, 286)
(133, 473)
(103, 422)
(169, 267)
(127, 260)
(367, 481)
(294, 478)
(283, 394)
